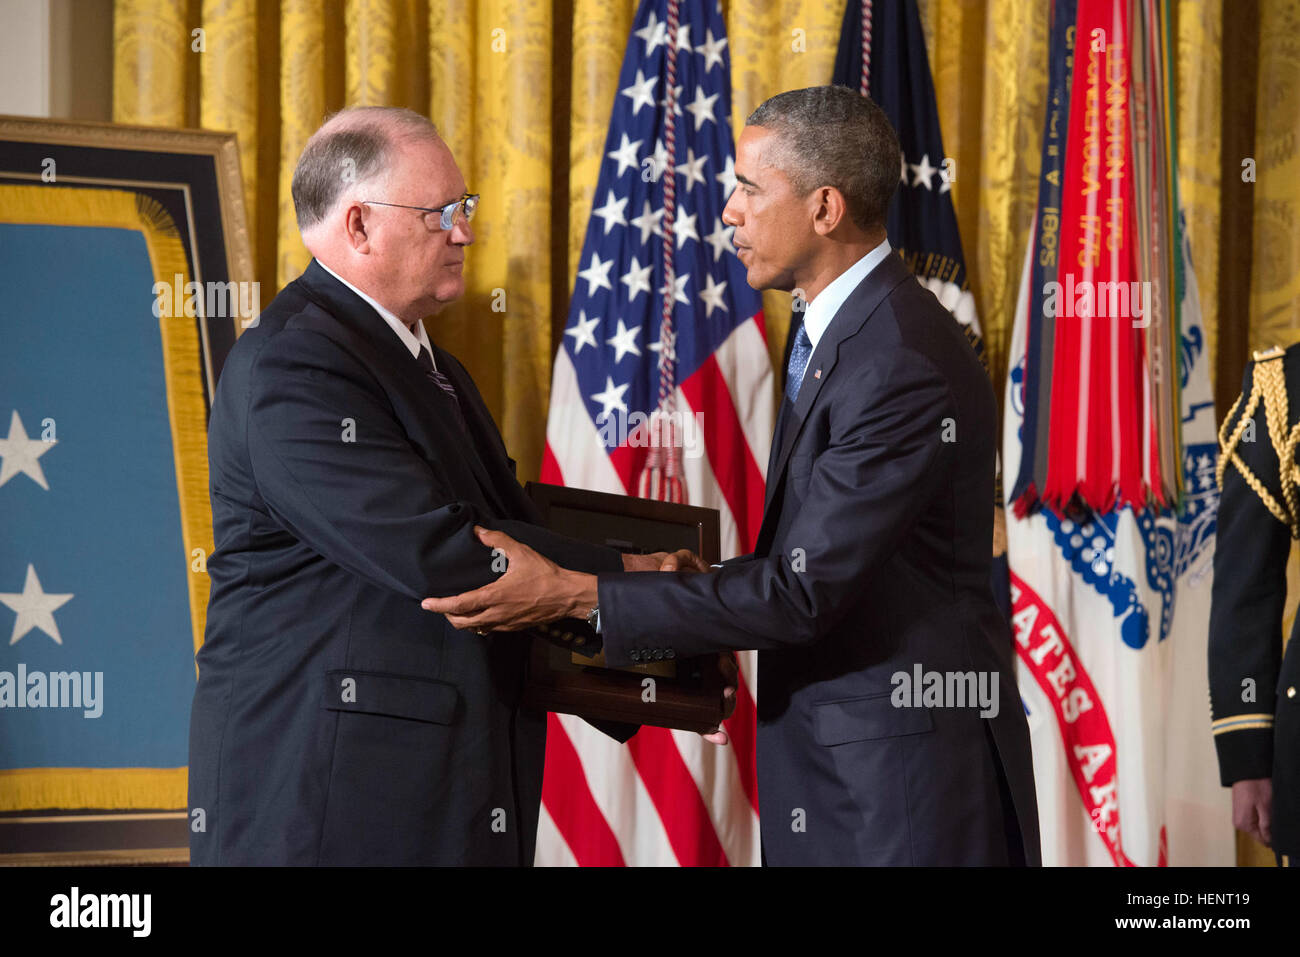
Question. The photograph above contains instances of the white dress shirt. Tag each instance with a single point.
(819, 313)
(412, 341)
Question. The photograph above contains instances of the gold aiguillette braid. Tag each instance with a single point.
(1268, 383)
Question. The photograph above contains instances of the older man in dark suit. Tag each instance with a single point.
(868, 593)
(335, 722)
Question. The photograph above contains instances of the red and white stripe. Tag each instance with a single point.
(666, 797)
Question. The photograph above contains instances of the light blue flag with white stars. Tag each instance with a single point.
(97, 619)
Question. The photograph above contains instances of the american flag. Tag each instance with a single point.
(656, 249)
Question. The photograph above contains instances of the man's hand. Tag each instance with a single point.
(727, 665)
(686, 560)
(533, 590)
(681, 560)
(1252, 808)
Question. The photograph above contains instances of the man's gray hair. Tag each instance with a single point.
(352, 146)
(834, 136)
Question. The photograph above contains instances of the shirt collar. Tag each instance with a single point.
(413, 342)
(823, 308)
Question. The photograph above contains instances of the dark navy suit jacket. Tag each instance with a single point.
(334, 721)
(873, 558)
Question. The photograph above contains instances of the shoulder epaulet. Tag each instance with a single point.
(1267, 384)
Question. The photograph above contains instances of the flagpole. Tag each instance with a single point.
(661, 478)
(865, 86)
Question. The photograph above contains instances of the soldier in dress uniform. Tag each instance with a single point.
(1254, 687)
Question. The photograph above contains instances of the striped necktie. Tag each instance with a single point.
(443, 383)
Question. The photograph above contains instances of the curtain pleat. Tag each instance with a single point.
(1199, 68)
(1275, 273)
(151, 47)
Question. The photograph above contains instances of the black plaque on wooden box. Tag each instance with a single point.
(687, 693)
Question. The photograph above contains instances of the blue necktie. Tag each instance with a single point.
(798, 364)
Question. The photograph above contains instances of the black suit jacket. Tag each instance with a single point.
(873, 558)
(334, 721)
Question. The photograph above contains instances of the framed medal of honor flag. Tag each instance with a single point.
(125, 277)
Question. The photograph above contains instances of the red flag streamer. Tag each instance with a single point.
(1099, 395)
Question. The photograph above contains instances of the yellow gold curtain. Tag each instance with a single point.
(1275, 276)
(514, 85)
(488, 72)
(1200, 139)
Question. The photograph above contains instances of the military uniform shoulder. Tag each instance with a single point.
(1256, 435)
(1288, 357)
(1271, 375)
(1290, 371)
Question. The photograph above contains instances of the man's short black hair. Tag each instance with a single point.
(834, 136)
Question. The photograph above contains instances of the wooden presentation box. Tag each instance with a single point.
(687, 693)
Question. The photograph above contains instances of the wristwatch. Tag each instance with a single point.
(593, 618)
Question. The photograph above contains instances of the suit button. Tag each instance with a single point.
(1290, 692)
(670, 654)
(634, 654)
(659, 654)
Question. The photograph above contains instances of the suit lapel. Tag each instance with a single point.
(398, 364)
(778, 440)
(848, 320)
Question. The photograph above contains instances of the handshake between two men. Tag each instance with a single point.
(534, 590)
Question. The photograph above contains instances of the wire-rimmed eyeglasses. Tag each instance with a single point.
(448, 215)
